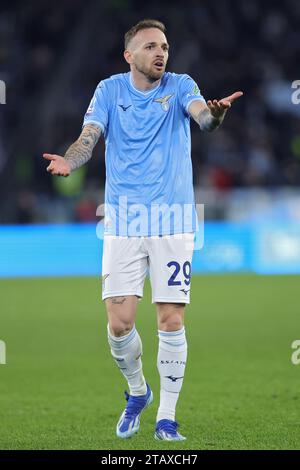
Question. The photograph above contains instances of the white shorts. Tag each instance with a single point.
(126, 261)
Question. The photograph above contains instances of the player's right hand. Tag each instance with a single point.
(58, 166)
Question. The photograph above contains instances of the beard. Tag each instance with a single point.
(150, 73)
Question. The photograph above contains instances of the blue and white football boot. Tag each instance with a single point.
(129, 421)
(166, 430)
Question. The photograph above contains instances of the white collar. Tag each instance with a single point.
(139, 91)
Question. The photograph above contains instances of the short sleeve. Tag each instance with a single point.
(188, 92)
(97, 112)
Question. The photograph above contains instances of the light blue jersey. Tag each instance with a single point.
(149, 180)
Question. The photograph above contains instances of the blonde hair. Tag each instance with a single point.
(143, 24)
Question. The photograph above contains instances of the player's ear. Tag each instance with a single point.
(128, 56)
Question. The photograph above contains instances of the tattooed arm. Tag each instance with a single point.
(209, 116)
(77, 154)
(200, 112)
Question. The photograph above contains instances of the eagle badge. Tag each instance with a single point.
(164, 102)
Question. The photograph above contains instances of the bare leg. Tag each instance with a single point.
(121, 313)
(170, 316)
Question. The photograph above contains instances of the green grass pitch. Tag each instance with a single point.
(60, 388)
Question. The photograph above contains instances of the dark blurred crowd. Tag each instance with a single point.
(53, 54)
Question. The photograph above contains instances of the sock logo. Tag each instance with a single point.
(180, 363)
(118, 359)
(173, 379)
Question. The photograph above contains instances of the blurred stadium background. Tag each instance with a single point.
(247, 174)
(244, 389)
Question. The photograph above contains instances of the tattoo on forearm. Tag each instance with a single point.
(207, 122)
(118, 300)
(81, 151)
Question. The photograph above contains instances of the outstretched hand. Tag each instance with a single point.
(58, 166)
(219, 108)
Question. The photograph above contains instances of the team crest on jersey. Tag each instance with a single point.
(164, 102)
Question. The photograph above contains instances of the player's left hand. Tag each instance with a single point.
(219, 108)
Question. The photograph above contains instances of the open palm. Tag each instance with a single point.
(219, 107)
(58, 165)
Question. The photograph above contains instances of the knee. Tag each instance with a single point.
(171, 324)
(171, 320)
(119, 328)
(120, 316)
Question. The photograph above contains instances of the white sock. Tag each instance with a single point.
(127, 352)
(171, 360)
